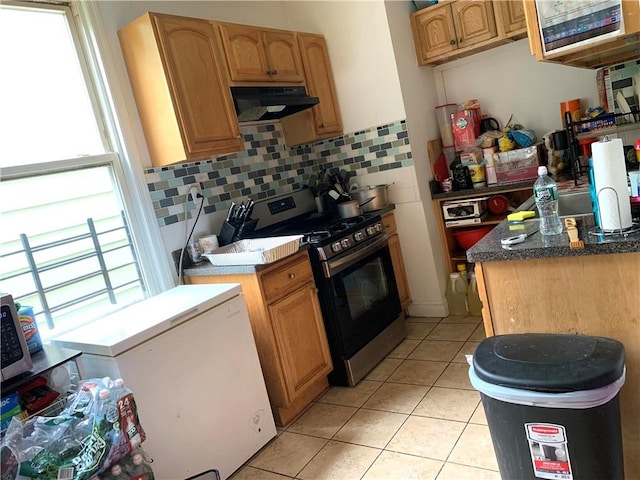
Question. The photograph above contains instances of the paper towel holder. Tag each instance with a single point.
(597, 230)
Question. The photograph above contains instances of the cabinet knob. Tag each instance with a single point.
(452, 42)
(292, 276)
(459, 40)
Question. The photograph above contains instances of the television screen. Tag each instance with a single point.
(568, 24)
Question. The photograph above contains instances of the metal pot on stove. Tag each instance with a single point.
(352, 208)
(375, 196)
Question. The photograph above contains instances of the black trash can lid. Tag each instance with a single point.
(546, 362)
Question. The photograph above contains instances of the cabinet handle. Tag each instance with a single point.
(452, 42)
(460, 40)
(272, 72)
(292, 276)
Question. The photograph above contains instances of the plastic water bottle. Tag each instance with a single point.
(138, 468)
(456, 295)
(545, 193)
(473, 298)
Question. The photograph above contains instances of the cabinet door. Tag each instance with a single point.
(200, 93)
(399, 271)
(434, 32)
(512, 16)
(317, 69)
(283, 56)
(474, 21)
(301, 339)
(245, 52)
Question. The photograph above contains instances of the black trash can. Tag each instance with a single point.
(551, 402)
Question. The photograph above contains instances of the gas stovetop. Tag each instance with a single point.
(329, 234)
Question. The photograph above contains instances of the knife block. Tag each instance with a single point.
(227, 233)
(245, 229)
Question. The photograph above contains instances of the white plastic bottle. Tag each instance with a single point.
(456, 295)
(473, 299)
(545, 193)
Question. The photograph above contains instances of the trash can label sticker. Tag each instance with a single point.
(549, 451)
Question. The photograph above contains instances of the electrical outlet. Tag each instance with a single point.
(194, 193)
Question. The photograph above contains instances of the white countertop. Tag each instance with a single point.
(124, 329)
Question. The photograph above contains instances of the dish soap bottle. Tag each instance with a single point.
(545, 193)
(456, 295)
(473, 299)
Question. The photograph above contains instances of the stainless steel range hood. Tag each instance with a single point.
(269, 103)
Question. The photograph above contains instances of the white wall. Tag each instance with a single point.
(508, 80)
(361, 56)
(417, 224)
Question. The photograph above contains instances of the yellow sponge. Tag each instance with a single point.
(520, 216)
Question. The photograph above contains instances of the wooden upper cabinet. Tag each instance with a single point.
(458, 28)
(434, 32)
(179, 82)
(609, 51)
(512, 17)
(323, 120)
(474, 21)
(261, 55)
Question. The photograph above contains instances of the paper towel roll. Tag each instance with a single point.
(609, 173)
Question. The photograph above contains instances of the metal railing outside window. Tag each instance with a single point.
(60, 277)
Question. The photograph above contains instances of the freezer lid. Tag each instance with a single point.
(122, 330)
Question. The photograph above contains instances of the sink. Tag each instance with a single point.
(574, 204)
(577, 204)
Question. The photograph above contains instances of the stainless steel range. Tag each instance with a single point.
(353, 272)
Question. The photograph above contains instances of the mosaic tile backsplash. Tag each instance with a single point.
(267, 167)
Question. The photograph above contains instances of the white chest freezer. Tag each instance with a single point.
(189, 357)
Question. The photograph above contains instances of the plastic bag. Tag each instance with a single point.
(98, 427)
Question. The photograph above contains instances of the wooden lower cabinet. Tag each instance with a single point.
(590, 295)
(288, 329)
(399, 271)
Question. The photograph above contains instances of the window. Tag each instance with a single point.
(72, 218)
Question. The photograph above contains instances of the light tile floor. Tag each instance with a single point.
(415, 416)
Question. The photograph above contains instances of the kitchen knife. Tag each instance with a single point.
(249, 209)
(230, 212)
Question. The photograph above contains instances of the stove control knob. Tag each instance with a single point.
(336, 247)
(359, 236)
(379, 227)
(346, 242)
(371, 230)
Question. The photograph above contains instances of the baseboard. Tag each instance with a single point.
(431, 309)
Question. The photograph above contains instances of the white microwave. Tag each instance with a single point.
(13, 349)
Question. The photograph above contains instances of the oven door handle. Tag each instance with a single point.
(331, 267)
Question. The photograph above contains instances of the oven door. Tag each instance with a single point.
(363, 295)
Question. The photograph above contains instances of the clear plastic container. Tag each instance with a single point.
(456, 295)
(473, 298)
(443, 116)
(545, 193)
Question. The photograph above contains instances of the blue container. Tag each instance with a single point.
(30, 329)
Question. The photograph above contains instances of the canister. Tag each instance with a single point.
(30, 329)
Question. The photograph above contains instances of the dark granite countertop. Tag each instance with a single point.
(537, 245)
